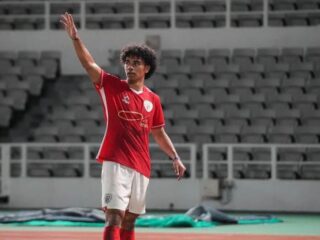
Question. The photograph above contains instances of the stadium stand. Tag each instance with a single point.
(228, 95)
(274, 102)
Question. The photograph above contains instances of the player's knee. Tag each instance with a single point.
(114, 217)
(129, 221)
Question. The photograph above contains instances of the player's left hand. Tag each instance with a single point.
(178, 168)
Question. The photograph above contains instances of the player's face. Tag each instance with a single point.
(135, 69)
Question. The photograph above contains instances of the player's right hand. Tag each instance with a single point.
(67, 20)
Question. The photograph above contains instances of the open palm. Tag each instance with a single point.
(67, 20)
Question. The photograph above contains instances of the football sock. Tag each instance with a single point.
(111, 233)
(126, 234)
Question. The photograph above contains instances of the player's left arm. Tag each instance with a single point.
(166, 145)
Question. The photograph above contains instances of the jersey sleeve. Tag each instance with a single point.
(108, 80)
(158, 117)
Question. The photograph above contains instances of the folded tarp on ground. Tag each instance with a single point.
(199, 216)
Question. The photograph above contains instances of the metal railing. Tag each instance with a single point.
(16, 160)
(273, 163)
(47, 15)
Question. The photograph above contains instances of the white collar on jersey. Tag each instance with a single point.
(137, 92)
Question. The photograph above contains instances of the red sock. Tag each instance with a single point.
(111, 233)
(126, 235)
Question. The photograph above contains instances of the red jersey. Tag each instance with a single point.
(129, 115)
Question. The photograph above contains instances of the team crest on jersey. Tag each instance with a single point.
(148, 105)
(126, 99)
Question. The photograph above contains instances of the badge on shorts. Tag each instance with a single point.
(107, 197)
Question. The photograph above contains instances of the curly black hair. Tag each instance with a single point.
(147, 54)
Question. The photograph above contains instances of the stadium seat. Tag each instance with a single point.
(311, 118)
(67, 170)
(94, 135)
(253, 133)
(58, 8)
(279, 102)
(211, 118)
(314, 19)
(201, 73)
(240, 6)
(287, 117)
(297, 20)
(288, 171)
(241, 87)
(268, 86)
(228, 102)
(99, 8)
(215, 6)
(276, 20)
(239, 117)
(177, 133)
(19, 97)
(312, 54)
(189, 7)
(254, 71)
(218, 171)
(280, 134)
(307, 134)
(39, 170)
(46, 134)
(267, 56)
(5, 116)
(194, 57)
(216, 87)
(35, 84)
(252, 20)
(310, 172)
(292, 55)
(252, 102)
(306, 103)
(230, 71)
(302, 70)
(307, 5)
(243, 56)
(73, 134)
(154, 22)
(203, 22)
(123, 7)
(293, 86)
(258, 171)
(149, 7)
(183, 23)
(280, 70)
(261, 154)
(280, 5)
(219, 56)
(227, 134)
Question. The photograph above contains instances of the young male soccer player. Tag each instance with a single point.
(131, 111)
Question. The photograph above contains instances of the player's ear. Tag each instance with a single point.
(147, 69)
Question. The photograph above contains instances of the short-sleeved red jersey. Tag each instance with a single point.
(129, 115)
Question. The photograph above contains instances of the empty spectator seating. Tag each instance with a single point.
(244, 95)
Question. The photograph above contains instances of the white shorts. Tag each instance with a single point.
(123, 188)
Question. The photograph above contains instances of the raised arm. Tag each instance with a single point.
(83, 54)
(161, 137)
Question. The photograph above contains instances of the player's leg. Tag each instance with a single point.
(137, 205)
(114, 219)
(116, 187)
(127, 226)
